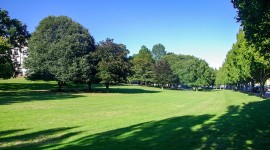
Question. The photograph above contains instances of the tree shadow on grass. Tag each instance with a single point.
(35, 140)
(27, 86)
(241, 127)
(123, 90)
(27, 96)
(70, 88)
(172, 133)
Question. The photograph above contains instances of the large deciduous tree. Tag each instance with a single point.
(16, 35)
(60, 50)
(143, 66)
(113, 65)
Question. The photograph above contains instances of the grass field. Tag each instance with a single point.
(130, 117)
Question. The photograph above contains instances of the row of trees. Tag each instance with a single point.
(63, 50)
(170, 69)
(243, 65)
(248, 61)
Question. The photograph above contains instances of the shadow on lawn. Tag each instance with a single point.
(27, 86)
(69, 88)
(27, 96)
(131, 91)
(246, 127)
(35, 140)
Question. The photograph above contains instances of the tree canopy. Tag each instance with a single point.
(113, 65)
(254, 17)
(58, 50)
(243, 65)
(13, 32)
(142, 66)
(191, 71)
(158, 51)
(162, 72)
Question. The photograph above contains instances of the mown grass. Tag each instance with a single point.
(129, 117)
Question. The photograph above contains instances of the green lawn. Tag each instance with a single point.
(130, 117)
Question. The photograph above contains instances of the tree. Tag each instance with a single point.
(6, 65)
(143, 66)
(113, 65)
(254, 17)
(158, 51)
(199, 74)
(59, 49)
(16, 35)
(244, 64)
(191, 71)
(162, 73)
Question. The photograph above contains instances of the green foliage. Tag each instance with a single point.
(60, 49)
(254, 17)
(158, 51)
(6, 65)
(238, 61)
(13, 30)
(221, 77)
(15, 33)
(113, 65)
(143, 66)
(244, 64)
(162, 72)
(191, 70)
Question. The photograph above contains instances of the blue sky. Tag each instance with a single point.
(203, 28)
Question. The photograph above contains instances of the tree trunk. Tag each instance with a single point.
(107, 87)
(60, 84)
(89, 86)
(262, 88)
(252, 86)
(262, 82)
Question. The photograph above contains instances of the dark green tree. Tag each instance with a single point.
(158, 51)
(113, 64)
(59, 50)
(6, 65)
(254, 17)
(162, 72)
(16, 35)
(142, 66)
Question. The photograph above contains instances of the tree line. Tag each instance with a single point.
(248, 62)
(62, 50)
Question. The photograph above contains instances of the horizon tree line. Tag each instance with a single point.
(63, 50)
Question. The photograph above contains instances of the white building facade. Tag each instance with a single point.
(18, 57)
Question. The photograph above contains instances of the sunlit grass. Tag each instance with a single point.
(129, 117)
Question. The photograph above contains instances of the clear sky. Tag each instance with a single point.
(203, 28)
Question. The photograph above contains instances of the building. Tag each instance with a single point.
(18, 57)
